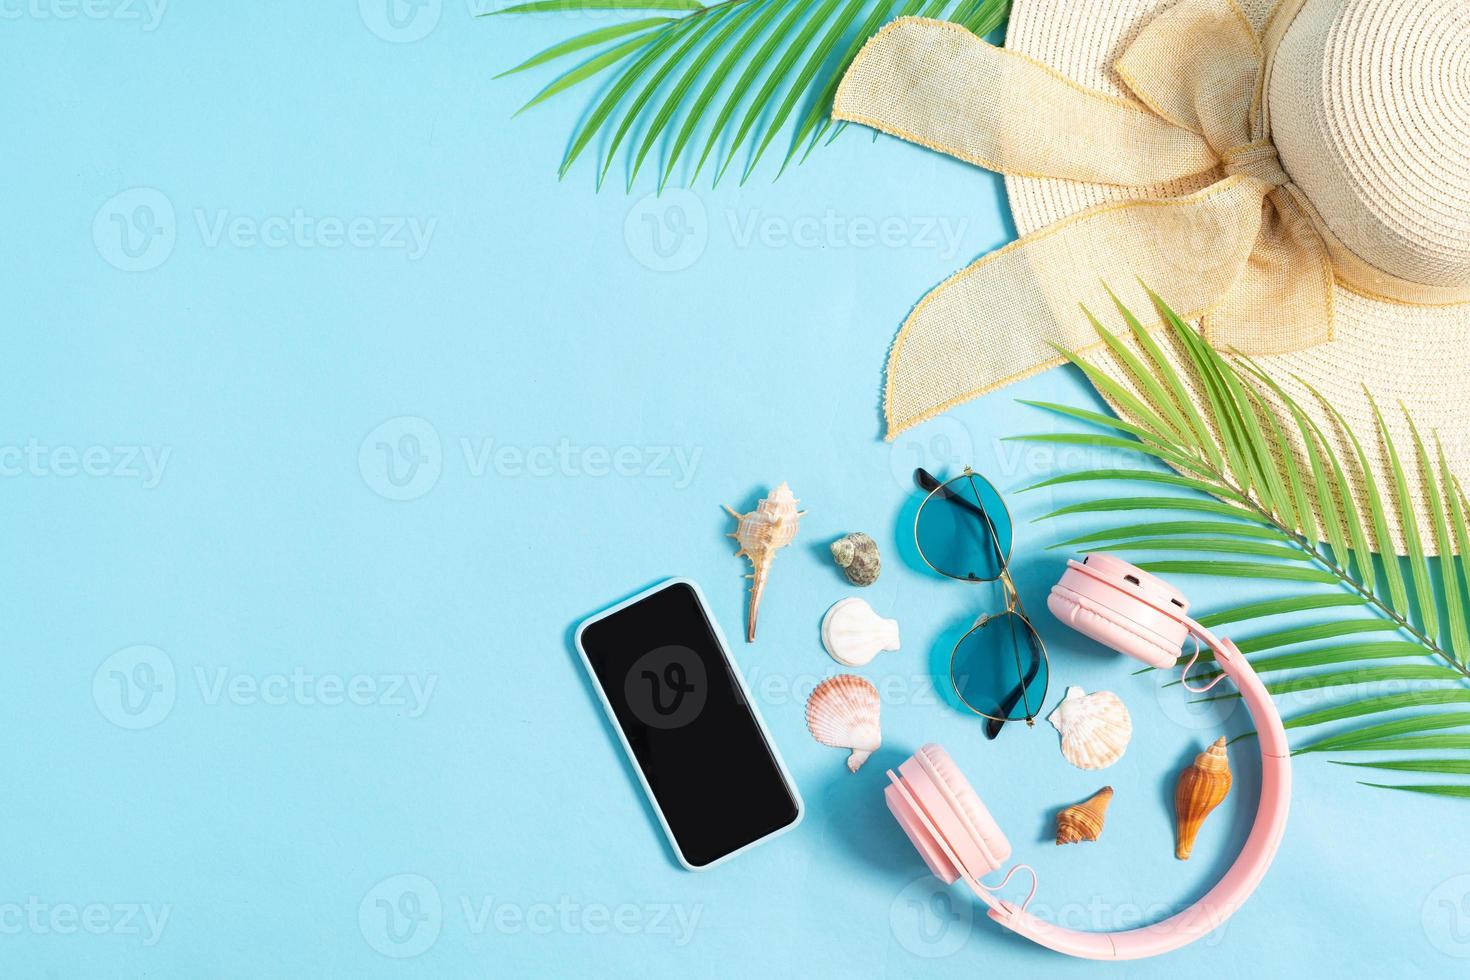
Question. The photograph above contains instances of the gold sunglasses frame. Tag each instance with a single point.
(1013, 601)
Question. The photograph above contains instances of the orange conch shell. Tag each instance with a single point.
(1085, 820)
(1201, 788)
(761, 533)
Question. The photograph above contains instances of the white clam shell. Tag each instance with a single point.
(843, 713)
(1095, 728)
(853, 634)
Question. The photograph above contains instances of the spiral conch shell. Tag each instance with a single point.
(857, 555)
(1095, 728)
(1201, 788)
(843, 713)
(1085, 820)
(853, 634)
(762, 533)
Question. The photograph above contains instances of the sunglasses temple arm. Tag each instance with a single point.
(928, 483)
(994, 725)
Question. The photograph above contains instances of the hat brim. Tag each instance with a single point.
(1410, 356)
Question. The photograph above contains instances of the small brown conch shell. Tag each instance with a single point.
(843, 712)
(1201, 788)
(857, 555)
(1085, 820)
(761, 533)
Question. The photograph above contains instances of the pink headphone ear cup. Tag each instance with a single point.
(975, 826)
(1109, 627)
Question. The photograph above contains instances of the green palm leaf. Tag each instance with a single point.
(1460, 767)
(1131, 531)
(1275, 498)
(1417, 743)
(1144, 476)
(769, 63)
(1456, 792)
(1277, 607)
(1383, 731)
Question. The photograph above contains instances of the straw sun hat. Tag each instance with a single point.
(1293, 175)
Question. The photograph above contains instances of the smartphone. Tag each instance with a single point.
(686, 718)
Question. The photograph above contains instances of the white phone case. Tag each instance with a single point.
(745, 692)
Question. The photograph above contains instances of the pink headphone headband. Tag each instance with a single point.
(1092, 597)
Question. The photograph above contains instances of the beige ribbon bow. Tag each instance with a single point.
(1247, 253)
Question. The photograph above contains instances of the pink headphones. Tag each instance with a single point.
(1135, 613)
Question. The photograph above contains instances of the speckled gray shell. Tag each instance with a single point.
(857, 554)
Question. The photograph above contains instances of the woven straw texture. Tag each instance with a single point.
(1280, 204)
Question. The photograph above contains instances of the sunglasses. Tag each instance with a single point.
(999, 668)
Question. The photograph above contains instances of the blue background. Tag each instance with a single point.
(178, 647)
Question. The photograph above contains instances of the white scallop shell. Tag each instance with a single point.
(1095, 728)
(843, 713)
(853, 634)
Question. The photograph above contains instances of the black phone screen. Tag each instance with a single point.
(674, 695)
